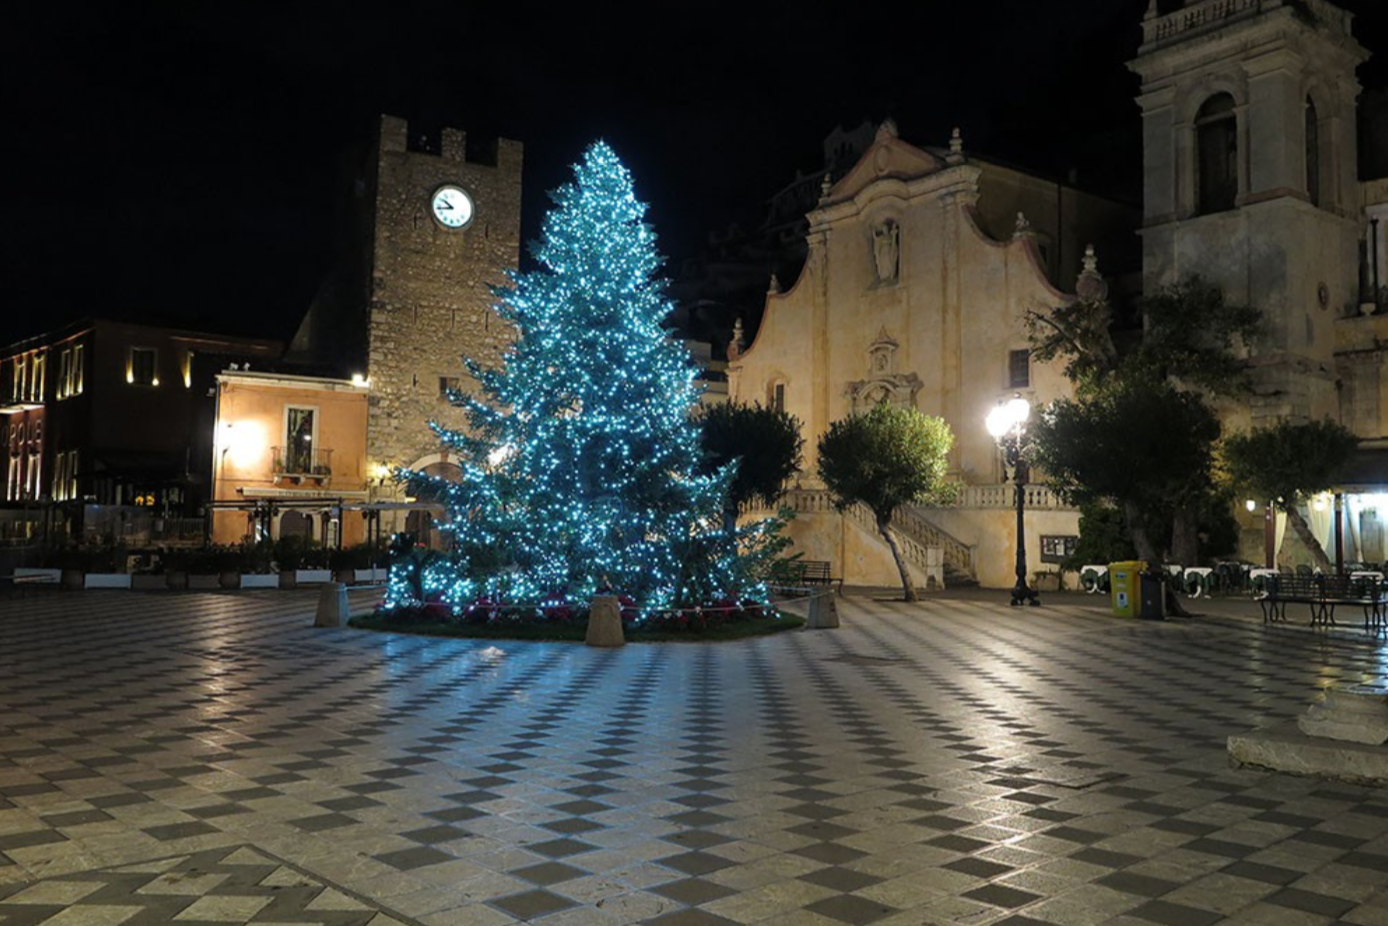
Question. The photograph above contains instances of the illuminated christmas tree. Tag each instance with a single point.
(579, 464)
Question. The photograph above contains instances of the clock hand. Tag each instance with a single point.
(445, 204)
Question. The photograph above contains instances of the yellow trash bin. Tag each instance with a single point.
(1123, 580)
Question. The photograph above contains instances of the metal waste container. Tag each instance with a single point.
(1152, 605)
(1123, 582)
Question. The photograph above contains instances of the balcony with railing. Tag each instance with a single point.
(308, 466)
(1207, 15)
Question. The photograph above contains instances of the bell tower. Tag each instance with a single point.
(1250, 177)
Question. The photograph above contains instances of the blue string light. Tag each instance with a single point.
(578, 465)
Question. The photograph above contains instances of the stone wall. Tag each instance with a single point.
(431, 302)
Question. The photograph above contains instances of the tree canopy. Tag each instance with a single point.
(764, 443)
(1285, 463)
(884, 459)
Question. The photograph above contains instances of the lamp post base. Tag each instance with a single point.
(1023, 595)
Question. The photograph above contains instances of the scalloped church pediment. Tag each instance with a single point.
(888, 157)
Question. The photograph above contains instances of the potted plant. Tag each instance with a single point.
(176, 562)
(289, 556)
(148, 574)
(104, 567)
(343, 565)
(256, 566)
(314, 568)
(227, 564)
(365, 563)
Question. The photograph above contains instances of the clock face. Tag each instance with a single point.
(451, 206)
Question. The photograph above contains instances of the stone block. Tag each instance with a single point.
(605, 622)
(333, 609)
(824, 612)
(1287, 749)
(1356, 714)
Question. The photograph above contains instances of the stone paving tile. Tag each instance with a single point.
(947, 762)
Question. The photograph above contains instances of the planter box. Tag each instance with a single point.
(260, 580)
(204, 582)
(377, 574)
(106, 580)
(176, 579)
(312, 576)
(38, 576)
(147, 582)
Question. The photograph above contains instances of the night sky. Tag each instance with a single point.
(181, 161)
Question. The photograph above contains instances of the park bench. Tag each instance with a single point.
(814, 572)
(1323, 593)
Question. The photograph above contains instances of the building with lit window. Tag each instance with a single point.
(1255, 178)
(289, 457)
(112, 421)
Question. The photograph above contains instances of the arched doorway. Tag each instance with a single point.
(297, 524)
(419, 521)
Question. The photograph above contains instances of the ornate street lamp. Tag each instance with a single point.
(1008, 425)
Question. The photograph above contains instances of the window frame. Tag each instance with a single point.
(132, 375)
(1012, 355)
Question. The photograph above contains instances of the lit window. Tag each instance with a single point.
(65, 373)
(77, 352)
(1019, 369)
(142, 372)
(36, 376)
(298, 440)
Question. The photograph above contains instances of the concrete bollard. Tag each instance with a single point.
(333, 609)
(605, 622)
(824, 612)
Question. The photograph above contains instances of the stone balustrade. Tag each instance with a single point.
(1211, 13)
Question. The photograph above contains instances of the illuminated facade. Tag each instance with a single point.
(289, 454)
(112, 422)
(433, 225)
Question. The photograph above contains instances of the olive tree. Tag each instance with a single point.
(884, 459)
(1285, 463)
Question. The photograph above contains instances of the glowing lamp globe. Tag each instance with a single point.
(1007, 417)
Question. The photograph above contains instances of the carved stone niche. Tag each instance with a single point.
(886, 252)
(883, 382)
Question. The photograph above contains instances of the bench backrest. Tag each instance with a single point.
(1323, 586)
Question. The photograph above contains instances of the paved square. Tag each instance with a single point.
(211, 758)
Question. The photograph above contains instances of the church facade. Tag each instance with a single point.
(910, 295)
(914, 293)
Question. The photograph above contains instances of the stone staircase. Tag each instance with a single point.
(914, 533)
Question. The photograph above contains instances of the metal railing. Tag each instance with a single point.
(298, 461)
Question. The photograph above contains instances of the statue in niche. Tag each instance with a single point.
(886, 240)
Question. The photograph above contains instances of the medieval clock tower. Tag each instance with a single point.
(427, 234)
(1250, 176)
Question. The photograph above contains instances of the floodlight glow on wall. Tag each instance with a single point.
(243, 442)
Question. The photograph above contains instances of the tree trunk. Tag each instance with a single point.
(730, 521)
(1303, 531)
(1138, 533)
(1185, 538)
(908, 590)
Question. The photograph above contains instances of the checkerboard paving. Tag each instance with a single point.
(211, 758)
(231, 886)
